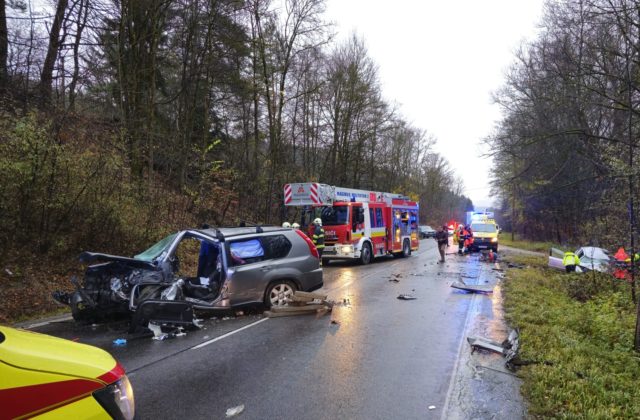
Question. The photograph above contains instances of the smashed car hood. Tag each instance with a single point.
(90, 257)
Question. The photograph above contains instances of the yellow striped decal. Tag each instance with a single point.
(377, 234)
(357, 235)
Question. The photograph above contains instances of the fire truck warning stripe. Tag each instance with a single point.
(287, 194)
(314, 193)
(28, 401)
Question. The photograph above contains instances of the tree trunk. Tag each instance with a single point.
(46, 77)
(4, 46)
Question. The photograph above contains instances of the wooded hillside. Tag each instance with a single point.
(125, 119)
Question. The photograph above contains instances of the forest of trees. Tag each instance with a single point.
(124, 119)
(566, 150)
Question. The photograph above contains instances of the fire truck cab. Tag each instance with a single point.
(357, 224)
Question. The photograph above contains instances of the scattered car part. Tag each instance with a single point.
(508, 348)
(302, 303)
(234, 411)
(474, 288)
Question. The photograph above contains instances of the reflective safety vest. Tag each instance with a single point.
(635, 259)
(570, 259)
(318, 237)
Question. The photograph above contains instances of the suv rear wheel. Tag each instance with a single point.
(278, 292)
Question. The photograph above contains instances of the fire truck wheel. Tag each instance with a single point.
(406, 249)
(365, 254)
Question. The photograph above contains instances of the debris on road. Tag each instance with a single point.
(515, 265)
(432, 407)
(157, 331)
(406, 296)
(508, 348)
(120, 342)
(302, 303)
(395, 277)
(234, 411)
(475, 288)
(334, 322)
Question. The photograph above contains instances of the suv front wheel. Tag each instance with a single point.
(278, 292)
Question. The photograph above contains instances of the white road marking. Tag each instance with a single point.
(206, 343)
(454, 373)
(42, 324)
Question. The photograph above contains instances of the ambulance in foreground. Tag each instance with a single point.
(358, 224)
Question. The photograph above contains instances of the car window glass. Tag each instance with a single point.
(276, 246)
(246, 252)
(156, 249)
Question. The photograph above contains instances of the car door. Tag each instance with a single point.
(247, 268)
(555, 258)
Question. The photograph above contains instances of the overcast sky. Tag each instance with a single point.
(440, 61)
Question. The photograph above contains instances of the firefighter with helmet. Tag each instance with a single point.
(295, 225)
(286, 225)
(318, 235)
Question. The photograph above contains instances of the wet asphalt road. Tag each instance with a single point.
(384, 358)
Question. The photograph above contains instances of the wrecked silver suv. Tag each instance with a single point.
(208, 269)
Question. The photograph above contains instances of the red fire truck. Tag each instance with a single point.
(357, 224)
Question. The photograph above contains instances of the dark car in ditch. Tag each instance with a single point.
(204, 269)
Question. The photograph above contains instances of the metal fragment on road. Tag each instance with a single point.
(432, 407)
(406, 296)
(508, 348)
(474, 288)
(234, 411)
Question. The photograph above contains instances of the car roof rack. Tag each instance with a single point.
(220, 235)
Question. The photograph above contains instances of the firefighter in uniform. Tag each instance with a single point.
(286, 225)
(570, 261)
(318, 235)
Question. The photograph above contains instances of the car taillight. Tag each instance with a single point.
(312, 247)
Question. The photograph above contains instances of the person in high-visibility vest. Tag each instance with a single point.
(318, 236)
(460, 233)
(636, 259)
(570, 261)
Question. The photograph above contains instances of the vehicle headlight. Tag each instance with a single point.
(494, 240)
(117, 399)
(347, 249)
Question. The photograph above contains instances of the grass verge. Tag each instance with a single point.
(505, 239)
(583, 326)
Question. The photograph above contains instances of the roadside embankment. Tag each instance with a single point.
(576, 333)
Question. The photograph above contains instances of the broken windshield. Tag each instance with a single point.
(152, 253)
